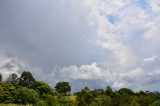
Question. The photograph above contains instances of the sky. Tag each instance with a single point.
(94, 43)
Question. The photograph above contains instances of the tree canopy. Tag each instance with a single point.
(13, 79)
(27, 80)
(63, 88)
(43, 88)
(24, 95)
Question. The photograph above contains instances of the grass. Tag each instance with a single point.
(72, 98)
(14, 105)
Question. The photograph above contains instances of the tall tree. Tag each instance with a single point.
(1, 77)
(13, 79)
(108, 91)
(27, 80)
(63, 87)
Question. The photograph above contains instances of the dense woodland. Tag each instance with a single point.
(27, 90)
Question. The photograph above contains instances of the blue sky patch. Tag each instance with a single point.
(143, 4)
(112, 18)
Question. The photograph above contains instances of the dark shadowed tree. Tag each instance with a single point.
(97, 92)
(27, 80)
(125, 94)
(13, 79)
(116, 99)
(108, 91)
(1, 77)
(63, 88)
(126, 91)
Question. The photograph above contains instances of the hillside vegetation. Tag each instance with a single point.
(27, 91)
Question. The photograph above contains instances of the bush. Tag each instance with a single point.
(24, 95)
(85, 97)
(6, 92)
(41, 103)
(156, 103)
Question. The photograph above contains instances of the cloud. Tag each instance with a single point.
(8, 66)
(101, 42)
(131, 37)
(85, 72)
(150, 59)
(153, 32)
(155, 5)
(38, 31)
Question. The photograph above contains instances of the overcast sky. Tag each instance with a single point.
(92, 43)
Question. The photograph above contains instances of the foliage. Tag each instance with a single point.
(42, 88)
(156, 103)
(13, 79)
(63, 88)
(108, 91)
(85, 97)
(41, 103)
(97, 92)
(15, 105)
(1, 77)
(126, 91)
(116, 99)
(25, 95)
(105, 100)
(6, 92)
(26, 90)
(27, 80)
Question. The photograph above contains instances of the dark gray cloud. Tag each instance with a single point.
(47, 33)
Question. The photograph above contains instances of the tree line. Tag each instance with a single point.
(27, 90)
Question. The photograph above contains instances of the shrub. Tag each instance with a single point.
(24, 95)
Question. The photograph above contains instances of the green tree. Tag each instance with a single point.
(43, 88)
(97, 92)
(24, 95)
(146, 100)
(85, 97)
(126, 91)
(108, 91)
(105, 100)
(63, 88)
(116, 99)
(6, 92)
(27, 80)
(13, 79)
(125, 96)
